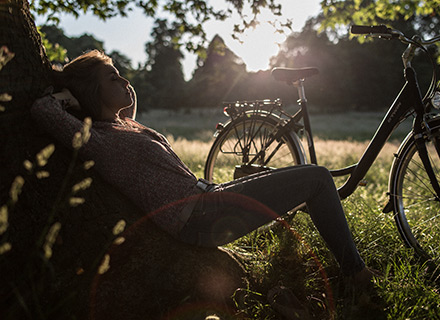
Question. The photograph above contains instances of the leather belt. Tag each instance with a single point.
(202, 186)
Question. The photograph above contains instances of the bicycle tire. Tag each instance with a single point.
(416, 208)
(227, 161)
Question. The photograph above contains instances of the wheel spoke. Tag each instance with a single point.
(416, 176)
(239, 144)
(417, 208)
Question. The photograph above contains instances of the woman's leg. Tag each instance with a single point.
(236, 208)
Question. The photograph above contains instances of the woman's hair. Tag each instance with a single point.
(81, 77)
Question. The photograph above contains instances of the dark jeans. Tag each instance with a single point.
(231, 210)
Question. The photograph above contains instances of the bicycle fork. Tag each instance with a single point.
(421, 128)
(424, 157)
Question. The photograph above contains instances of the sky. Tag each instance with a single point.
(257, 47)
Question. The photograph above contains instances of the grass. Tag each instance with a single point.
(295, 254)
(199, 124)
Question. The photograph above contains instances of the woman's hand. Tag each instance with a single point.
(67, 98)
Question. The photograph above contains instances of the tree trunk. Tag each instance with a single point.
(150, 273)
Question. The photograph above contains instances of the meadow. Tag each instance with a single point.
(292, 251)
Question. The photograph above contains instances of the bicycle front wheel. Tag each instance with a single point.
(242, 140)
(416, 205)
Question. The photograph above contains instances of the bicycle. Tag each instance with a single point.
(261, 135)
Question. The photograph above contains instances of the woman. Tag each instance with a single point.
(141, 164)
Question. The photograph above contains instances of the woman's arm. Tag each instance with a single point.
(67, 98)
(50, 113)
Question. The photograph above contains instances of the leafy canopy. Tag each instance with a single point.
(188, 15)
(419, 16)
(370, 12)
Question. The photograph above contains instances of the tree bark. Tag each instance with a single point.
(149, 274)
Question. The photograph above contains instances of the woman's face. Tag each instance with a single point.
(114, 92)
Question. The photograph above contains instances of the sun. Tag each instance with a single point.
(258, 45)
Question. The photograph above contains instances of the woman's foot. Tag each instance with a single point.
(286, 303)
(364, 279)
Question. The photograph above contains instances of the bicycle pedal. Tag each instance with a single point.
(363, 183)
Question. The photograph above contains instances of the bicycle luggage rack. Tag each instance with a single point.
(237, 108)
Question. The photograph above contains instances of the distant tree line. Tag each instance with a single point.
(353, 75)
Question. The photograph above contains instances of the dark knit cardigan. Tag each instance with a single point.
(135, 159)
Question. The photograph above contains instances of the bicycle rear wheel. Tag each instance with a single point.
(239, 142)
(416, 206)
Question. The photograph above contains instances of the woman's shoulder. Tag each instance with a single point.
(133, 124)
(129, 130)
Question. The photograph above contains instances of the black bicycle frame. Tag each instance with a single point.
(409, 99)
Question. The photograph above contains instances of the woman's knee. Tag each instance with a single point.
(322, 180)
(315, 171)
(324, 172)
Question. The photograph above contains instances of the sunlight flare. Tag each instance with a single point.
(259, 44)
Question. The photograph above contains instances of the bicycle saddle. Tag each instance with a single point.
(293, 74)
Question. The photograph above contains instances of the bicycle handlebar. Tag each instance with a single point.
(382, 29)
